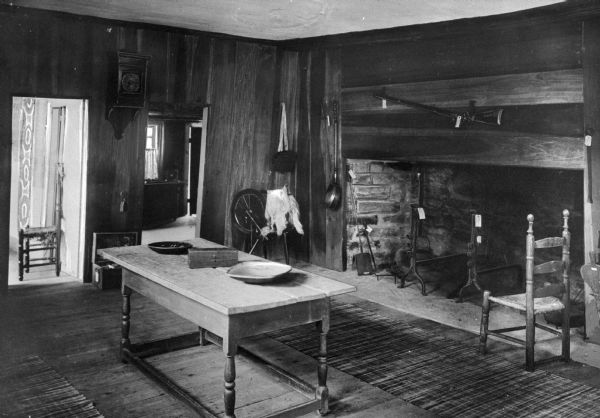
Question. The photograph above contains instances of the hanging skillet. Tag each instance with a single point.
(333, 196)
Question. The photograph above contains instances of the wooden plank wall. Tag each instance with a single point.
(528, 64)
(49, 54)
(242, 92)
(320, 85)
(328, 240)
(535, 68)
(532, 72)
(591, 69)
(289, 91)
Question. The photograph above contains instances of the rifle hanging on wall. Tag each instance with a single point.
(460, 120)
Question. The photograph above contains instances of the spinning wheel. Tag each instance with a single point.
(248, 214)
(248, 211)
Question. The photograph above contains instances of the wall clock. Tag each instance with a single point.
(127, 93)
(131, 79)
(131, 82)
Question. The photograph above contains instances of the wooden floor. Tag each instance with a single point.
(75, 328)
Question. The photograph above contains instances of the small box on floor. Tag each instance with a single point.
(107, 276)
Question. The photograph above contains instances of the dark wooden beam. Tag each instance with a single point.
(481, 53)
(547, 87)
(556, 119)
(466, 146)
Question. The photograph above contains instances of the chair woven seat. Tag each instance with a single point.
(39, 230)
(540, 305)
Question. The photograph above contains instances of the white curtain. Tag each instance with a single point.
(151, 171)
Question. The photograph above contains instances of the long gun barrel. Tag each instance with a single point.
(487, 117)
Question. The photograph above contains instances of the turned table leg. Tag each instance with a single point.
(322, 390)
(125, 321)
(230, 350)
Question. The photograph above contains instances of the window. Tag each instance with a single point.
(151, 137)
(153, 149)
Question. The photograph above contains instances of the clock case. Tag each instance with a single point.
(127, 90)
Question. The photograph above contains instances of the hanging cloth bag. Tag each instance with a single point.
(284, 160)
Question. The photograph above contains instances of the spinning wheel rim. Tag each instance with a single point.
(248, 211)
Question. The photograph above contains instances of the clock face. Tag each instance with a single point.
(131, 82)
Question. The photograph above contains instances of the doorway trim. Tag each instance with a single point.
(201, 171)
(83, 133)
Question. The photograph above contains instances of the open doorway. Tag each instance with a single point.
(49, 141)
(173, 177)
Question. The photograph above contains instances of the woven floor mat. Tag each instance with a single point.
(31, 388)
(439, 374)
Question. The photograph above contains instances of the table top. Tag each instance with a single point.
(214, 288)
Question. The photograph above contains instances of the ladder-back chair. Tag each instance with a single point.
(43, 240)
(554, 297)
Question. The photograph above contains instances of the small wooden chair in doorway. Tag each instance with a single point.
(43, 240)
(554, 297)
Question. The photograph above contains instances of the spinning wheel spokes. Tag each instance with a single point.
(247, 211)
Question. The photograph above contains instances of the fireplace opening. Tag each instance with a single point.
(380, 193)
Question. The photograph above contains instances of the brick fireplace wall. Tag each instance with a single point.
(379, 196)
(384, 190)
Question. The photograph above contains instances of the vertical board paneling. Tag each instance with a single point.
(75, 64)
(59, 55)
(5, 149)
(242, 121)
(326, 234)
(219, 144)
(52, 67)
(127, 39)
(591, 97)
(176, 70)
(303, 143)
(318, 175)
(335, 236)
(290, 73)
(263, 109)
(154, 44)
(242, 90)
(197, 68)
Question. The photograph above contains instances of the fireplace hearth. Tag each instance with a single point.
(381, 193)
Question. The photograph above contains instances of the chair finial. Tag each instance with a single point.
(565, 214)
(530, 228)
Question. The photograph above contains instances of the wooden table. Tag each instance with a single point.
(226, 310)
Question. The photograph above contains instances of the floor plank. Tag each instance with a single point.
(76, 329)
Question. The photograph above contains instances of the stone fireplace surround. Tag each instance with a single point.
(381, 193)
